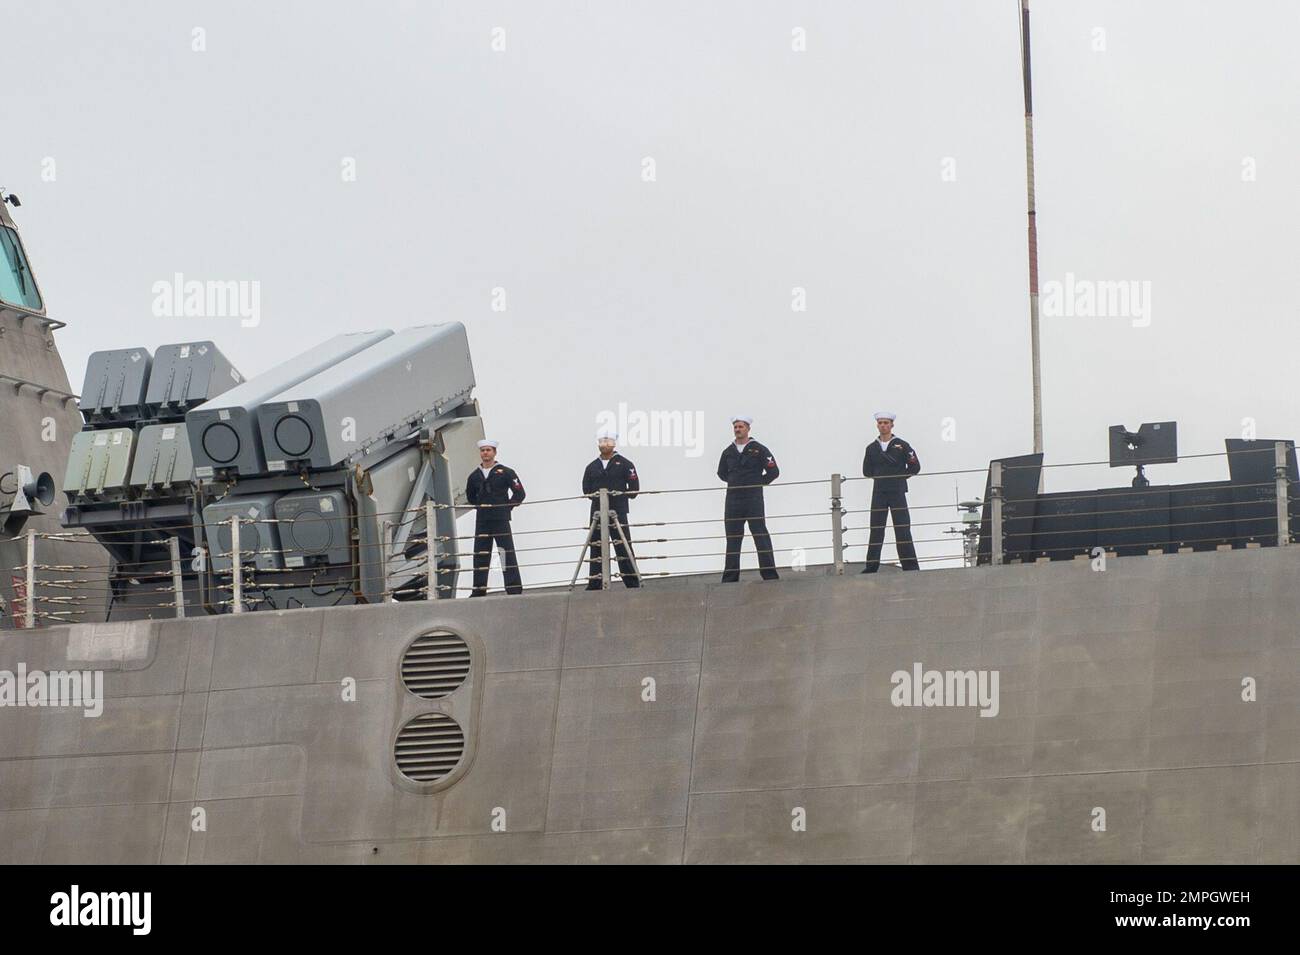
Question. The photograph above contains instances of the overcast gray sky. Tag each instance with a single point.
(881, 169)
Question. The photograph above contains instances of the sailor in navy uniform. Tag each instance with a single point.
(495, 490)
(747, 467)
(888, 461)
(616, 474)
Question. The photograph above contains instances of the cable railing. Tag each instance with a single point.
(242, 563)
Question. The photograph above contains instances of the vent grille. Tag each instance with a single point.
(435, 665)
(429, 747)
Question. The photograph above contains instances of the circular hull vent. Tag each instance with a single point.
(435, 665)
(429, 747)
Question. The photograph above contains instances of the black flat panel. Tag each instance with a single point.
(1020, 478)
(1132, 521)
(1201, 515)
(1156, 443)
(1066, 525)
(1251, 462)
(1252, 466)
(1254, 513)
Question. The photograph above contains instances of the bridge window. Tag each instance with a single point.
(17, 287)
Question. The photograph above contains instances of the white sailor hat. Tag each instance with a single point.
(486, 443)
(607, 434)
(742, 417)
(884, 414)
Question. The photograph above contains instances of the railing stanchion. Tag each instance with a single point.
(837, 523)
(604, 538)
(995, 508)
(430, 553)
(1283, 496)
(30, 614)
(236, 567)
(174, 549)
(386, 558)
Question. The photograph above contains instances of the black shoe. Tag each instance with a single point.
(593, 586)
(868, 570)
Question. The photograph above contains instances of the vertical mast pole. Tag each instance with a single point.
(1033, 228)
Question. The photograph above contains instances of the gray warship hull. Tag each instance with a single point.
(692, 723)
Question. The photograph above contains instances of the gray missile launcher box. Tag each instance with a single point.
(314, 528)
(259, 537)
(184, 376)
(378, 394)
(162, 459)
(99, 464)
(115, 385)
(460, 441)
(224, 434)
